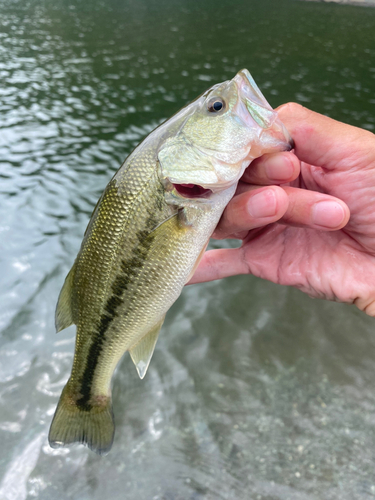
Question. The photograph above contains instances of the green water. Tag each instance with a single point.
(255, 392)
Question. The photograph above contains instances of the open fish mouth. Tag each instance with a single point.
(192, 191)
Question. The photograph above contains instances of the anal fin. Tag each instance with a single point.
(141, 353)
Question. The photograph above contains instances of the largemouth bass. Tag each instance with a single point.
(145, 239)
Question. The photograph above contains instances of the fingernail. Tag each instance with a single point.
(328, 214)
(262, 204)
(279, 168)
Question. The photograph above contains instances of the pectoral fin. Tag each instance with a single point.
(197, 261)
(64, 313)
(141, 353)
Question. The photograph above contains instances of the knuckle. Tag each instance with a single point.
(366, 305)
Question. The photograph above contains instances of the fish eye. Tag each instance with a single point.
(215, 104)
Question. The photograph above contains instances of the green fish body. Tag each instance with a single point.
(144, 240)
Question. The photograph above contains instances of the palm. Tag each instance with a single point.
(333, 265)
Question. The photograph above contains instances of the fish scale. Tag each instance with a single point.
(144, 240)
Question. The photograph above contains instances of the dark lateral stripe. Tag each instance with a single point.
(129, 270)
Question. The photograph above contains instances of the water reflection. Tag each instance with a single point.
(271, 399)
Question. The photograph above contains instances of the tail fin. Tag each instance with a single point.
(93, 427)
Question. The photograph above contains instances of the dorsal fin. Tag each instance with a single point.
(64, 313)
(141, 353)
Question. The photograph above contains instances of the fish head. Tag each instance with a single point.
(223, 131)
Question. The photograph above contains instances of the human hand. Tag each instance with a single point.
(300, 234)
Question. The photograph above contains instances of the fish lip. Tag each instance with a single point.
(291, 143)
(248, 93)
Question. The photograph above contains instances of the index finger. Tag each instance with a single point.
(325, 142)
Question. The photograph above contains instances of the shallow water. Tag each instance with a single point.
(255, 391)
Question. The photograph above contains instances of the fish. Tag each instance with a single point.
(145, 239)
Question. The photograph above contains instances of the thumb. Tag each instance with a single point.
(324, 142)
